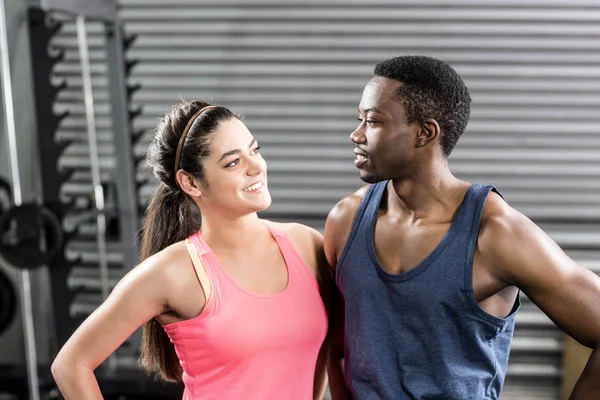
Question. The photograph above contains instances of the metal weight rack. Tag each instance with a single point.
(41, 226)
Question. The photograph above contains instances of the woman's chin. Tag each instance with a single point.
(266, 203)
(262, 203)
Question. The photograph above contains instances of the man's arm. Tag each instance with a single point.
(337, 230)
(521, 254)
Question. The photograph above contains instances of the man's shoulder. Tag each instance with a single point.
(339, 223)
(346, 208)
(501, 226)
(497, 214)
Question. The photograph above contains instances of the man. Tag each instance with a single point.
(429, 266)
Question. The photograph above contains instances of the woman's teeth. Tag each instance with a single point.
(254, 187)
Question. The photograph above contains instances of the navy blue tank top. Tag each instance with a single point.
(420, 334)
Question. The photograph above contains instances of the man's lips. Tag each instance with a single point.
(361, 157)
(359, 152)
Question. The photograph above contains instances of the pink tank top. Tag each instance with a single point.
(250, 346)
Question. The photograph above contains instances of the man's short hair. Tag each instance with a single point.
(430, 89)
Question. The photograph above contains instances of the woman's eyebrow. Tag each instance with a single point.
(236, 151)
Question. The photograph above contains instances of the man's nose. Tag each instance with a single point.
(358, 136)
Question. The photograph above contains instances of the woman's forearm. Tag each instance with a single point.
(76, 382)
(337, 382)
(320, 382)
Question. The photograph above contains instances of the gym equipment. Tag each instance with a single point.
(33, 234)
(5, 196)
(45, 55)
(26, 306)
(86, 75)
(8, 305)
(30, 236)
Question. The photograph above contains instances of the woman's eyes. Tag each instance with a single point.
(237, 160)
(233, 163)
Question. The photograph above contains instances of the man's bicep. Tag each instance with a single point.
(329, 243)
(566, 291)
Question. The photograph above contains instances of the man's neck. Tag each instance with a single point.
(431, 192)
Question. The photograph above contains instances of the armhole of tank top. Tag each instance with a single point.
(468, 278)
(200, 269)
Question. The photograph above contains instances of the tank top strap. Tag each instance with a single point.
(293, 259)
(464, 228)
(472, 221)
(200, 269)
(208, 259)
(275, 232)
(201, 246)
(366, 210)
(474, 204)
(370, 203)
(287, 249)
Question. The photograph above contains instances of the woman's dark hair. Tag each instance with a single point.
(180, 141)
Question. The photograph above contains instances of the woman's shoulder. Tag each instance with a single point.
(168, 265)
(307, 241)
(300, 233)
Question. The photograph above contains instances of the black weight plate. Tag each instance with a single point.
(8, 302)
(22, 231)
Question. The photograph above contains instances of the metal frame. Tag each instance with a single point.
(50, 151)
(25, 277)
(106, 11)
(122, 129)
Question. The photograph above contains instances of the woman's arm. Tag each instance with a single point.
(141, 295)
(321, 372)
(325, 280)
(335, 360)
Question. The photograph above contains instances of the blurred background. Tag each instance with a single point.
(295, 70)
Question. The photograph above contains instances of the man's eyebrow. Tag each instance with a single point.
(236, 151)
(372, 109)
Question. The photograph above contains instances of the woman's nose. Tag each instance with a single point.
(256, 165)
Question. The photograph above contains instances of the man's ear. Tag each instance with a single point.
(429, 132)
(188, 183)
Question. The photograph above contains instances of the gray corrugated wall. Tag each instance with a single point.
(296, 70)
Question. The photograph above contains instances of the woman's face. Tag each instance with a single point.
(235, 172)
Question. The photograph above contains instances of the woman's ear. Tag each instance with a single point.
(188, 183)
(430, 131)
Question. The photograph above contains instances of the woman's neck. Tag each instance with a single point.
(232, 233)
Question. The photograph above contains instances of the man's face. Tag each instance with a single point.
(385, 143)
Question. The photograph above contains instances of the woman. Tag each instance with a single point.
(230, 303)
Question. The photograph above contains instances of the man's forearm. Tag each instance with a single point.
(588, 385)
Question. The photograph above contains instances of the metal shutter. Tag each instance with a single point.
(296, 70)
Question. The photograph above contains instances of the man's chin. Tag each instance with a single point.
(369, 177)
